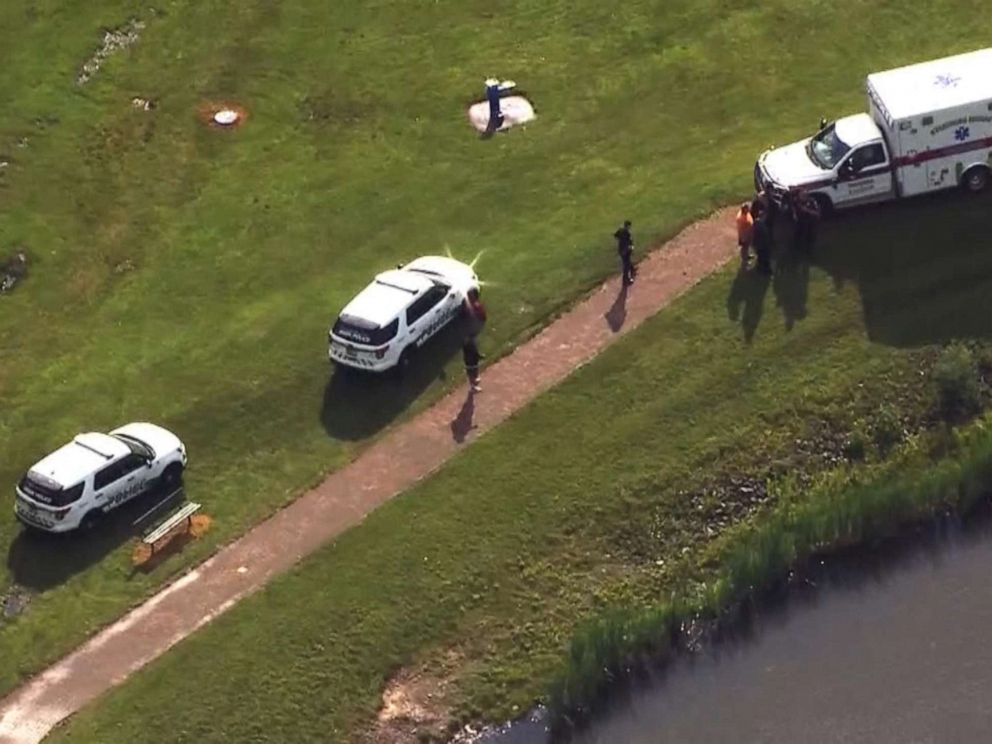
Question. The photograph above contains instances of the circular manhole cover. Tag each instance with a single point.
(226, 117)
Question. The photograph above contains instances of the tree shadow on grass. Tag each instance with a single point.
(359, 404)
(40, 561)
(923, 267)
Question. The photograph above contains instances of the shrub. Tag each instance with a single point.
(856, 445)
(888, 431)
(956, 380)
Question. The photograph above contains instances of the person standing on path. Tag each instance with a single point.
(625, 249)
(475, 318)
(472, 357)
(745, 229)
(475, 313)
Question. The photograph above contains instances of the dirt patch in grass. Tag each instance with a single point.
(12, 271)
(414, 704)
(208, 110)
(14, 602)
(114, 40)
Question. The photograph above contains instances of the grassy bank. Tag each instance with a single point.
(851, 508)
(596, 496)
(188, 276)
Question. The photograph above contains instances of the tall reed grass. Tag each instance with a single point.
(853, 506)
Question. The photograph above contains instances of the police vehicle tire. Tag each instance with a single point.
(406, 359)
(90, 520)
(172, 477)
(976, 179)
(825, 203)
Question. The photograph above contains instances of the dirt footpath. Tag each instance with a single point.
(403, 456)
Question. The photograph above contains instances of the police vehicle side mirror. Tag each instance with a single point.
(823, 124)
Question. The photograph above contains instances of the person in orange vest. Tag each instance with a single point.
(745, 230)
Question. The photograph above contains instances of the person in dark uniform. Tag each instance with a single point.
(771, 214)
(762, 242)
(807, 215)
(625, 249)
(492, 95)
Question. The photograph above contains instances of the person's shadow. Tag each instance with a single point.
(746, 300)
(462, 424)
(791, 285)
(617, 314)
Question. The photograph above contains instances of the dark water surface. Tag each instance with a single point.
(894, 650)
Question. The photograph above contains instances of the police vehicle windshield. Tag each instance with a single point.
(136, 446)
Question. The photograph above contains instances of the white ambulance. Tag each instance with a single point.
(929, 127)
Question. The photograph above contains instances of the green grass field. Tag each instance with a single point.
(602, 493)
(188, 276)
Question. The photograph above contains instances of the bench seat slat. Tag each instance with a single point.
(171, 523)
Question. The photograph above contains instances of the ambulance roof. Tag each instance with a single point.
(934, 86)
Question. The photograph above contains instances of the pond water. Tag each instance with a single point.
(892, 650)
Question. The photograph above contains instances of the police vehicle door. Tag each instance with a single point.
(424, 317)
(120, 482)
(865, 176)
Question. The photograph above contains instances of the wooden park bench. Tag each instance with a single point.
(181, 518)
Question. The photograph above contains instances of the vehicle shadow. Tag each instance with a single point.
(40, 561)
(923, 267)
(359, 404)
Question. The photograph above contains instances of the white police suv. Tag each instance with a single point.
(75, 485)
(398, 312)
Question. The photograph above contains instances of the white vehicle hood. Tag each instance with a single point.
(159, 439)
(790, 166)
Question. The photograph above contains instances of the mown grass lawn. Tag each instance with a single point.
(188, 276)
(596, 495)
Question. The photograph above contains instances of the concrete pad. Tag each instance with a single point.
(516, 110)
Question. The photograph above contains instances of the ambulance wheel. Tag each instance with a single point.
(826, 205)
(976, 179)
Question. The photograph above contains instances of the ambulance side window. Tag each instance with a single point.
(866, 157)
